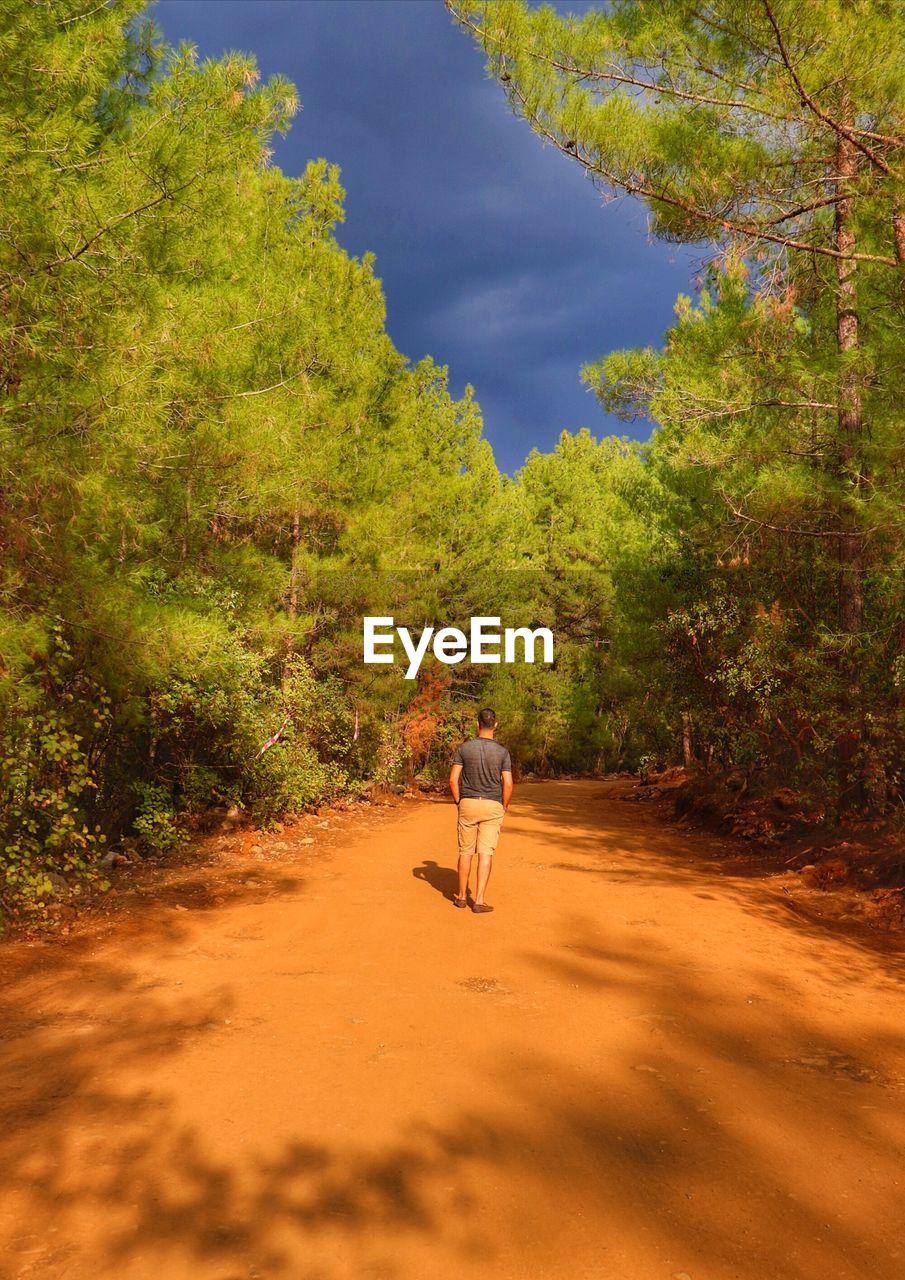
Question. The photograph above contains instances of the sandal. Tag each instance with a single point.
(479, 907)
(459, 902)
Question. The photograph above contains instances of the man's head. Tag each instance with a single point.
(486, 720)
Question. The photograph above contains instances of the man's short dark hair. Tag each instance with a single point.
(486, 717)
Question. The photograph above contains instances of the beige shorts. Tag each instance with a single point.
(479, 825)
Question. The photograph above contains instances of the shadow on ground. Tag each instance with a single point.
(444, 879)
(646, 1146)
(740, 1139)
(629, 842)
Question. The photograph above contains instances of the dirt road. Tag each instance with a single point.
(636, 1068)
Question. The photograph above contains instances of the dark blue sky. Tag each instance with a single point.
(497, 256)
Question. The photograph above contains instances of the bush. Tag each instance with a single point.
(51, 724)
(156, 823)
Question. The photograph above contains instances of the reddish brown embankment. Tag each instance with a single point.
(637, 1067)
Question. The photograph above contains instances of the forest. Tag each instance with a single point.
(215, 462)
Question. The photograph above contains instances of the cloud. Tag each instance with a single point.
(510, 309)
(496, 255)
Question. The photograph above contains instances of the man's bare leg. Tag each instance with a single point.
(464, 873)
(485, 862)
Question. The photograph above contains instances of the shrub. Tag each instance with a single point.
(51, 724)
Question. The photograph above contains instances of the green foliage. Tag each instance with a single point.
(744, 391)
(155, 822)
(53, 725)
(193, 424)
(773, 588)
(215, 462)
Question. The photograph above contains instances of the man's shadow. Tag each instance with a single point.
(444, 879)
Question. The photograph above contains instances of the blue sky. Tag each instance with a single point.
(498, 258)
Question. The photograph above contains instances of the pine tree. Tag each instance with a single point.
(772, 132)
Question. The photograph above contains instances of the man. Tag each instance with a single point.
(481, 785)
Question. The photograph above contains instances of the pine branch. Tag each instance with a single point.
(620, 76)
(844, 131)
(750, 230)
(274, 386)
(80, 17)
(738, 411)
(789, 529)
(110, 226)
(664, 90)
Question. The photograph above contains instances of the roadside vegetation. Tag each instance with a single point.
(215, 463)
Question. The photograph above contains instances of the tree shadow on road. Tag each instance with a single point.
(594, 833)
(722, 1138)
(697, 1138)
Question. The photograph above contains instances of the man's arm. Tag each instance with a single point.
(506, 777)
(454, 774)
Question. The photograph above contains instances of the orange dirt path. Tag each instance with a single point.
(636, 1068)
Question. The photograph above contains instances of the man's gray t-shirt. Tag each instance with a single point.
(482, 761)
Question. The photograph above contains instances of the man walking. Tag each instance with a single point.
(481, 785)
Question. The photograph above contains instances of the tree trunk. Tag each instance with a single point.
(293, 572)
(898, 227)
(850, 461)
(687, 742)
(851, 543)
(184, 540)
(898, 233)
(292, 607)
